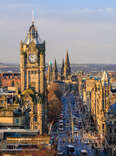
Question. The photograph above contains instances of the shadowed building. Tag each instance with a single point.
(49, 74)
(110, 141)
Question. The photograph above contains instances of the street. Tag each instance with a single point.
(74, 128)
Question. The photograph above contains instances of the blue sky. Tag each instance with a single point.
(87, 28)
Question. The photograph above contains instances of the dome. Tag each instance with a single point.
(112, 108)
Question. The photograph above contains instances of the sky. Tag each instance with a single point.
(86, 28)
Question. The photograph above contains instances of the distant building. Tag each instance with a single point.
(11, 119)
(10, 80)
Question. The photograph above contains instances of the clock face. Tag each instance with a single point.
(32, 58)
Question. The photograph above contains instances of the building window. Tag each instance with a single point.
(103, 126)
(34, 72)
(12, 84)
(110, 130)
(17, 121)
(2, 101)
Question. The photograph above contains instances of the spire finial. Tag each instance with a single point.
(32, 17)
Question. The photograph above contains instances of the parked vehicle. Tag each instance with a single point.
(84, 153)
(60, 154)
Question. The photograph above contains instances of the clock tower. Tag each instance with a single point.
(32, 68)
(32, 62)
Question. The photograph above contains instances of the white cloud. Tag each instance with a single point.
(93, 11)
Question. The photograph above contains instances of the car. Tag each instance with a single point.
(86, 142)
(84, 152)
(60, 154)
(60, 121)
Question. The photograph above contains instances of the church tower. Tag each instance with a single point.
(67, 68)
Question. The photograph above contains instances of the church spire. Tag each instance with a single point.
(55, 66)
(62, 68)
(67, 62)
(55, 71)
(67, 68)
(32, 17)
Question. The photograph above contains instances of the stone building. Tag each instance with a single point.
(32, 68)
(110, 141)
(49, 73)
(10, 80)
(32, 62)
(10, 118)
(100, 102)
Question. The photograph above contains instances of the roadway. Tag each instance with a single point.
(74, 130)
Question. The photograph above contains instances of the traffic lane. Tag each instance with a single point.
(81, 146)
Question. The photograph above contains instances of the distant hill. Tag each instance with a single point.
(75, 67)
(93, 67)
(9, 67)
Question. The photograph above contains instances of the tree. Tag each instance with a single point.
(54, 102)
